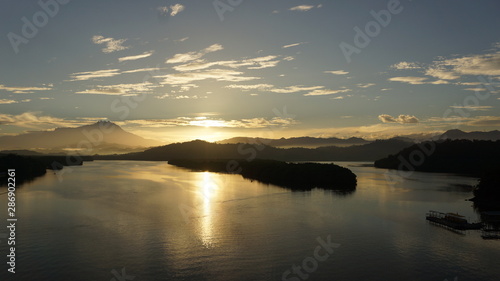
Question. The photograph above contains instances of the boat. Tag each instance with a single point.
(452, 220)
(490, 235)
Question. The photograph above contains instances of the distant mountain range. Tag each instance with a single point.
(307, 142)
(204, 150)
(105, 138)
(99, 138)
(312, 142)
(461, 135)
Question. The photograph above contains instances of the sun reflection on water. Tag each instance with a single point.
(208, 189)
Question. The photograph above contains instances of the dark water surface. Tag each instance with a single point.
(151, 221)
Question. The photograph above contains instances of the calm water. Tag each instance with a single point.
(158, 222)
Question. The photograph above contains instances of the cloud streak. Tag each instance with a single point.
(136, 57)
(120, 89)
(112, 45)
(337, 72)
(88, 75)
(304, 8)
(191, 56)
(401, 119)
(24, 90)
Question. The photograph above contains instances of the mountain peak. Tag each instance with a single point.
(104, 123)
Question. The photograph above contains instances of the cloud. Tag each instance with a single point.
(401, 119)
(367, 85)
(112, 45)
(409, 79)
(473, 107)
(254, 63)
(475, 89)
(312, 90)
(173, 11)
(295, 89)
(293, 45)
(406, 65)
(35, 120)
(304, 8)
(260, 87)
(441, 73)
(25, 90)
(177, 8)
(182, 39)
(119, 89)
(191, 56)
(216, 74)
(487, 64)
(87, 75)
(5, 101)
(493, 121)
(440, 82)
(469, 83)
(337, 72)
(136, 57)
(251, 123)
(322, 92)
(181, 97)
(149, 69)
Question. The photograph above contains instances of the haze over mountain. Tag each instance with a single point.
(99, 138)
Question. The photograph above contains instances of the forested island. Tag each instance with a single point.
(296, 176)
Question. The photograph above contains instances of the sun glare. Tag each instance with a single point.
(208, 123)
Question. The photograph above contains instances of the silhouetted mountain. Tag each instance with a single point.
(101, 137)
(303, 176)
(450, 156)
(308, 142)
(461, 135)
(204, 150)
(21, 152)
(312, 142)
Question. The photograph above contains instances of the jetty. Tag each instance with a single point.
(451, 220)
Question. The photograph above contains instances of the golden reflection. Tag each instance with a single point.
(208, 189)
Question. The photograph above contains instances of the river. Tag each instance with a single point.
(126, 220)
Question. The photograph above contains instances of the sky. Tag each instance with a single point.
(203, 69)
